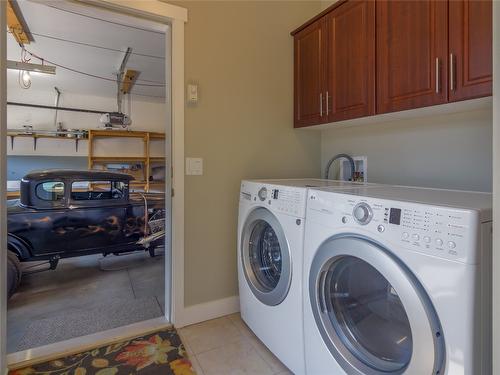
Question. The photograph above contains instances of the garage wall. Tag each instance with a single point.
(147, 113)
(19, 166)
(241, 55)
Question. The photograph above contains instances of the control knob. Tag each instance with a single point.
(362, 213)
(262, 194)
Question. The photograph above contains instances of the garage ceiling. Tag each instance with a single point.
(91, 43)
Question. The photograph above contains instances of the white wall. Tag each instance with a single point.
(147, 113)
(451, 151)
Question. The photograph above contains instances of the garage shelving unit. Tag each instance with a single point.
(146, 160)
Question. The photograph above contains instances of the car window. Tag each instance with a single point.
(50, 190)
(97, 190)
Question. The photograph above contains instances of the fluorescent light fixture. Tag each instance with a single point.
(29, 67)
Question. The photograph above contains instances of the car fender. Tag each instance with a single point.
(18, 246)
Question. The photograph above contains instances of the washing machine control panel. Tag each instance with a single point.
(438, 231)
(362, 213)
(282, 199)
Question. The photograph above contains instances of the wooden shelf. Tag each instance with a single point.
(157, 158)
(157, 135)
(117, 133)
(118, 158)
(146, 159)
(13, 135)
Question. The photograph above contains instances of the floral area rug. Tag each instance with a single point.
(161, 352)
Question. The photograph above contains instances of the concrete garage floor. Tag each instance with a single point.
(85, 295)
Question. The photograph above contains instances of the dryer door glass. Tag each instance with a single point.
(265, 255)
(367, 314)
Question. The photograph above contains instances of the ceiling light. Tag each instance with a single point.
(26, 77)
(29, 67)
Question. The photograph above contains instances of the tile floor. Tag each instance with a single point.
(83, 284)
(226, 346)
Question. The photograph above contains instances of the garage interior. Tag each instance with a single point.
(102, 65)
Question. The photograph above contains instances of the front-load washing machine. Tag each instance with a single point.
(397, 280)
(270, 251)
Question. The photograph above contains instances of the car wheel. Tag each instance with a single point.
(14, 273)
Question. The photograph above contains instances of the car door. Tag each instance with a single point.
(95, 218)
(43, 225)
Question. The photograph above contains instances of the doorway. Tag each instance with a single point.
(166, 311)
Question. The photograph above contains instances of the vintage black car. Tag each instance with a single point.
(68, 213)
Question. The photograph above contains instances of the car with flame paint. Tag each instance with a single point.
(68, 213)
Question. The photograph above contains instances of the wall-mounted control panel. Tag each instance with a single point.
(194, 166)
(438, 231)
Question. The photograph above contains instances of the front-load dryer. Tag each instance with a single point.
(397, 280)
(270, 251)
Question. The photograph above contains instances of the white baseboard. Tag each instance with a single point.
(208, 310)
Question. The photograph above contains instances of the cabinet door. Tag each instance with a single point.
(412, 49)
(471, 45)
(310, 75)
(351, 61)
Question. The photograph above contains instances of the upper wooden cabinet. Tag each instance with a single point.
(310, 75)
(412, 50)
(471, 49)
(350, 90)
(361, 57)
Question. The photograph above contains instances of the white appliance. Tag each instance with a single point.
(397, 280)
(270, 251)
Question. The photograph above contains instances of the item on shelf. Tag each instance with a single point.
(157, 173)
(115, 120)
(28, 129)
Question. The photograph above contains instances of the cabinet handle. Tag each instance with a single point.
(452, 72)
(327, 103)
(437, 75)
(321, 104)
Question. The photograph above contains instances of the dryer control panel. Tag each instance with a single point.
(283, 199)
(438, 231)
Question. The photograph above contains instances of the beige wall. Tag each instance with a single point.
(241, 55)
(450, 151)
(327, 3)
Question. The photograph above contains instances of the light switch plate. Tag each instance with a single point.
(194, 166)
(192, 93)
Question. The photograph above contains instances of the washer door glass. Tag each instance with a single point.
(367, 314)
(265, 257)
(371, 311)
